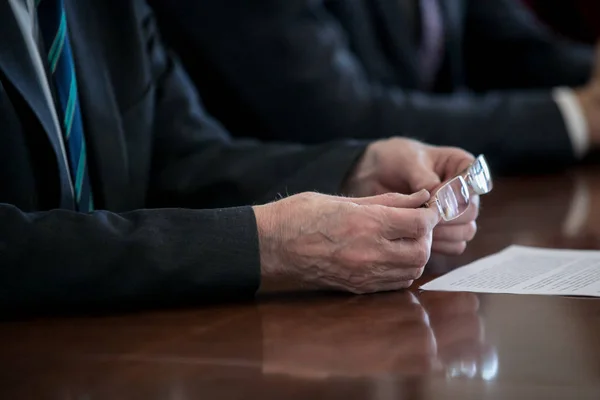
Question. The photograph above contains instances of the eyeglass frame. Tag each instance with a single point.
(466, 178)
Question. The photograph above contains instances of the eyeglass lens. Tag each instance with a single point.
(480, 178)
(453, 198)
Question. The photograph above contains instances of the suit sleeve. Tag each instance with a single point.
(507, 47)
(292, 62)
(61, 260)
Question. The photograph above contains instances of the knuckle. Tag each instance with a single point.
(306, 198)
(358, 280)
(471, 231)
(355, 290)
(308, 195)
(417, 273)
(461, 247)
(405, 284)
(457, 248)
(391, 197)
(418, 227)
(420, 255)
(472, 212)
(361, 290)
(413, 274)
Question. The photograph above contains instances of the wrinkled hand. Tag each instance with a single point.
(589, 100)
(359, 245)
(406, 166)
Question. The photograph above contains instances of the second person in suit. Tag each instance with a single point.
(482, 75)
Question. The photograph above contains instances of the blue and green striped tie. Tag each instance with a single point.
(54, 33)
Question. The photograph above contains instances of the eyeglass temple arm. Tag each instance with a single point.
(431, 202)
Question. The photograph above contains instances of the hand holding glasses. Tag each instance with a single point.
(453, 198)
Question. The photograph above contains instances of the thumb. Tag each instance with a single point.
(422, 177)
(396, 200)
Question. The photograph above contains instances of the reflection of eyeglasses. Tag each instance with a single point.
(454, 197)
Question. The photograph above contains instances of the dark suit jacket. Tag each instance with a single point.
(150, 146)
(576, 19)
(313, 70)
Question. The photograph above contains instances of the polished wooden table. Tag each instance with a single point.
(308, 345)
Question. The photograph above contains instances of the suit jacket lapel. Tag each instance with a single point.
(100, 113)
(15, 63)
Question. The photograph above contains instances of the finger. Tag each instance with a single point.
(451, 161)
(381, 278)
(377, 271)
(395, 200)
(455, 233)
(408, 223)
(448, 248)
(408, 256)
(423, 176)
(398, 265)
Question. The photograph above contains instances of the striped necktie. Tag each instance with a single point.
(55, 36)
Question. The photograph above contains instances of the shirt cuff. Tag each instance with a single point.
(574, 120)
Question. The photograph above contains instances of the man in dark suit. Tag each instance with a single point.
(483, 75)
(106, 158)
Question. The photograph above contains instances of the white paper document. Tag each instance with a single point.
(527, 270)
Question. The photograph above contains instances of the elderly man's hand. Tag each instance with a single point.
(406, 166)
(359, 245)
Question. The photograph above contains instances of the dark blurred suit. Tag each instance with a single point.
(310, 71)
(150, 146)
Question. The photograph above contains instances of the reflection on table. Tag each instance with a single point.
(302, 344)
(372, 336)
